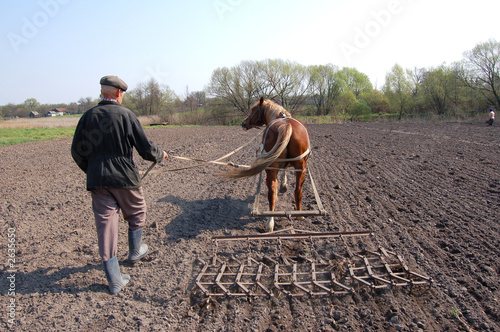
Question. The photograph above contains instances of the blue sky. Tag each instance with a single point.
(57, 50)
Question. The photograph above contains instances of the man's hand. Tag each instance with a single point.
(165, 155)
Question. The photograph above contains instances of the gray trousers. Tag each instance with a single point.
(106, 204)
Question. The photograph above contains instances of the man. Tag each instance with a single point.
(491, 118)
(102, 147)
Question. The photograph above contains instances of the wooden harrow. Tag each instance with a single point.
(335, 270)
(320, 211)
(334, 274)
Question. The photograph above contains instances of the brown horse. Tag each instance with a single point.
(285, 143)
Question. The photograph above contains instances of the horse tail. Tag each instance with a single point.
(266, 158)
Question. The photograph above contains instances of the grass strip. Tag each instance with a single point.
(11, 136)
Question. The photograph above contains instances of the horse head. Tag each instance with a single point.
(255, 118)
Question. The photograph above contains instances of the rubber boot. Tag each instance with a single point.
(137, 250)
(116, 280)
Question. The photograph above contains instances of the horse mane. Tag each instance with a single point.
(273, 110)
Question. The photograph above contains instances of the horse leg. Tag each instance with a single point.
(283, 183)
(299, 181)
(272, 186)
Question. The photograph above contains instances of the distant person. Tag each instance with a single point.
(491, 118)
(102, 147)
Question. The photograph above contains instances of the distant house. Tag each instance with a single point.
(56, 112)
(34, 114)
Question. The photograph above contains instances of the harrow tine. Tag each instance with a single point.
(304, 275)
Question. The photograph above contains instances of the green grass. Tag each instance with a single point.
(11, 136)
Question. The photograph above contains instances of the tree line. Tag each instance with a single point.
(459, 89)
(470, 85)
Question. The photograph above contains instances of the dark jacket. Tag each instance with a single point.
(103, 146)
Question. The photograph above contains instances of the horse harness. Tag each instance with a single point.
(260, 112)
(280, 117)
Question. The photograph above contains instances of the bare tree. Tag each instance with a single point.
(418, 78)
(480, 70)
(85, 104)
(240, 86)
(288, 82)
(150, 98)
(194, 100)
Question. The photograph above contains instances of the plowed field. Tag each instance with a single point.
(429, 192)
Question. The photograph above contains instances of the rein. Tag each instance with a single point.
(219, 162)
(216, 161)
(307, 152)
(261, 112)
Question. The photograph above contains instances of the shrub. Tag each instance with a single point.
(361, 111)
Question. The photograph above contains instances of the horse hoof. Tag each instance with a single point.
(283, 190)
(270, 225)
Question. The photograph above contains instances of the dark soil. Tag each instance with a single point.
(429, 192)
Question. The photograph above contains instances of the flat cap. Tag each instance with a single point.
(114, 81)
